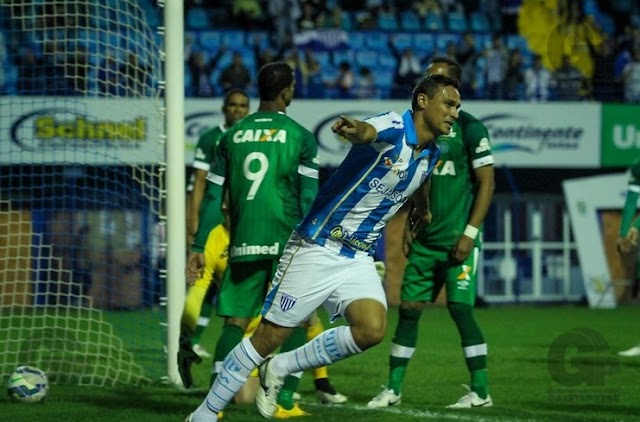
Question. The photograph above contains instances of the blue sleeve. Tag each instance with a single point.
(389, 126)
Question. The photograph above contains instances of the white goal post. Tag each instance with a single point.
(92, 189)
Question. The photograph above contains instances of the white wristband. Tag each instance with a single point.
(471, 231)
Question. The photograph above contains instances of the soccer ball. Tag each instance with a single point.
(28, 384)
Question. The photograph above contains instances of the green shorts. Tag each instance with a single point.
(244, 287)
(428, 269)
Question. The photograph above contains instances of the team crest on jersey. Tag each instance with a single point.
(287, 302)
(444, 146)
(396, 165)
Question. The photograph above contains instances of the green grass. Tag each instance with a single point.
(522, 388)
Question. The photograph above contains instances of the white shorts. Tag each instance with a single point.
(310, 275)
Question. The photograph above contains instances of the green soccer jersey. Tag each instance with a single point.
(261, 161)
(630, 204)
(206, 147)
(453, 188)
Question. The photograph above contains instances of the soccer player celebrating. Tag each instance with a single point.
(327, 260)
(445, 252)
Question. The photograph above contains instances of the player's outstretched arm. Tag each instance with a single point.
(354, 131)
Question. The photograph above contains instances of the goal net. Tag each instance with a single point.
(81, 170)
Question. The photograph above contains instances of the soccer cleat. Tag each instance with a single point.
(325, 397)
(385, 398)
(186, 358)
(191, 417)
(634, 351)
(471, 399)
(270, 385)
(294, 412)
(201, 351)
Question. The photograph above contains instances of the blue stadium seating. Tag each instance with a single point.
(356, 40)
(402, 41)
(210, 40)
(367, 58)
(424, 44)
(479, 22)
(434, 22)
(197, 18)
(457, 22)
(387, 22)
(409, 21)
(343, 55)
(443, 39)
(378, 41)
(233, 39)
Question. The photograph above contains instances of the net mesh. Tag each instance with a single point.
(81, 169)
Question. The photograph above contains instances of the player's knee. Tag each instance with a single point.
(459, 310)
(370, 333)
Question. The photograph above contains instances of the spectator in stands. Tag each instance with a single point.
(344, 81)
(200, 70)
(76, 70)
(247, 13)
(315, 86)
(266, 55)
(365, 84)
(425, 7)
(408, 71)
(605, 86)
(308, 20)
(135, 77)
(514, 78)
(467, 56)
(300, 71)
(236, 75)
(284, 15)
(631, 79)
(496, 68)
(537, 80)
(31, 73)
(109, 77)
(568, 82)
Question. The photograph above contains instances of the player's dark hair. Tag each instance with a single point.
(272, 79)
(231, 93)
(429, 85)
(454, 70)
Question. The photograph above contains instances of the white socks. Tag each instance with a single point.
(236, 368)
(330, 346)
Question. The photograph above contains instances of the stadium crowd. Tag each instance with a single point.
(509, 50)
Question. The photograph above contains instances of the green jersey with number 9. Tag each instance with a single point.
(265, 161)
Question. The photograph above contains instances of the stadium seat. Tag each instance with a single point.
(323, 58)
(387, 22)
(377, 40)
(197, 18)
(409, 21)
(387, 61)
(210, 40)
(346, 20)
(261, 38)
(402, 41)
(384, 81)
(479, 22)
(367, 58)
(356, 40)
(433, 22)
(516, 41)
(424, 44)
(340, 56)
(443, 39)
(233, 39)
(457, 22)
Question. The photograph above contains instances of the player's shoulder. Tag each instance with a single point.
(466, 118)
(212, 133)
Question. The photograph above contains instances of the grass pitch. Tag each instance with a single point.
(546, 363)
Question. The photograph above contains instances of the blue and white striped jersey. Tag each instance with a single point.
(369, 187)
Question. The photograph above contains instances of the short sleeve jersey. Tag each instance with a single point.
(207, 143)
(369, 187)
(260, 161)
(453, 185)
